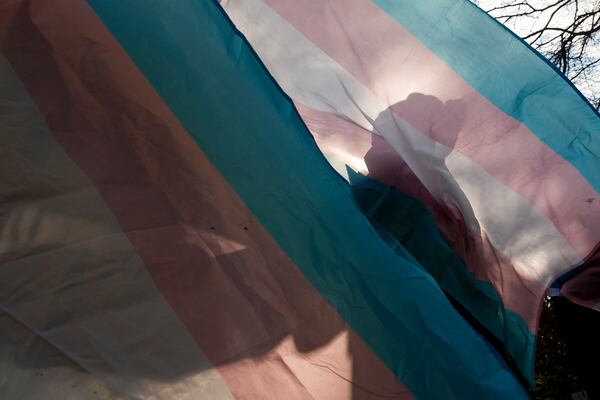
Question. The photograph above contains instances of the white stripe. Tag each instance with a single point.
(31, 368)
(70, 275)
(308, 75)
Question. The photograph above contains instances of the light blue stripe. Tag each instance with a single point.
(221, 93)
(411, 224)
(509, 73)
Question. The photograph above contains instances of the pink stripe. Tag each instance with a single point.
(399, 69)
(335, 135)
(584, 289)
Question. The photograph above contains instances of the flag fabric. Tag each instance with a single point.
(435, 99)
(584, 288)
(170, 229)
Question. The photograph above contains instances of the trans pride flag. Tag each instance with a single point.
(170, 229)
(435, 99)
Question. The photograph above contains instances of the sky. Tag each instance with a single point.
(589, 83)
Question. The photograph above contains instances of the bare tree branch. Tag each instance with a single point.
(565, 31)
